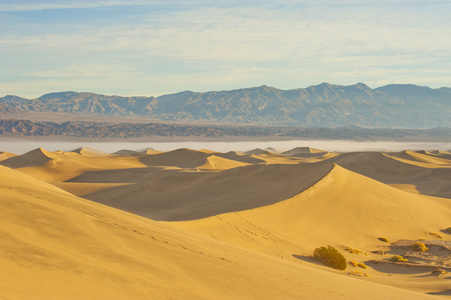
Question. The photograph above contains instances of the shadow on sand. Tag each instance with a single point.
(441, 293)
(306, 258)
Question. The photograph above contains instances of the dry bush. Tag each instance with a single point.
(448, 230)
(353, 263)
(383, 239)
(358, 273)
(330, 257)
(362, 265)
(436, 234)
(356, 251)
(419, 246)
(398, 258)
(356, 264)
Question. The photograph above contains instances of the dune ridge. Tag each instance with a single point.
(202, 194)
(338, 211)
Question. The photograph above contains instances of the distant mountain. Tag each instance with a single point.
(324, 105)
(143, 130)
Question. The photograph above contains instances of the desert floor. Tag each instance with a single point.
(188, 224)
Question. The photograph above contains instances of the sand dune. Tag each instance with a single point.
(302, 151)
(272, 157)
(55, 245)
(6, 155)
(183, 158)
(258, 151)
(250, 159)
(254, 220)
(219, 163)
(60, 166)
(36, 157)
(428, 178)
(422, 159)
(202, 194)
(343, 208)
(90, 152)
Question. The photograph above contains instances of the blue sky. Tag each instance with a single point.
(149, 48)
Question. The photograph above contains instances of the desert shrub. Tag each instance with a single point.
(362, 265)
(383, 239)
(358, 273)
(356, 264)
(436, 234)
(398, 258)
(419, 246)
(448, 230)
(356, 251)
(330, 257)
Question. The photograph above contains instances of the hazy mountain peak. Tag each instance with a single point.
(323, 105)
(62, 94)
(362, 86)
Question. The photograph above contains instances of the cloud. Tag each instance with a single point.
(17, 6)
(286, 44)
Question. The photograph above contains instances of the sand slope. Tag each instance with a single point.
(201, 194)
(344, 208)
(404, 168)
(6, 155)
(56, 246)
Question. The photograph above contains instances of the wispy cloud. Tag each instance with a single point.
(226, 44)
(17, 6)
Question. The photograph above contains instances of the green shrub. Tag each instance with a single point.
(419, 246)
(330, 257)
(398, 258)
(448, 230)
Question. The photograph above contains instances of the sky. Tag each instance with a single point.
(155, 47)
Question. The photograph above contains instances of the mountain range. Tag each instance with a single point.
(323, 105)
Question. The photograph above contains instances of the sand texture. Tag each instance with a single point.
(189, 224)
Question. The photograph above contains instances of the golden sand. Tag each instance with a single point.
(243, 225)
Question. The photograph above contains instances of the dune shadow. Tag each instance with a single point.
(126, 175)
(305, 258)
(430, 275)
(390, 268)
(398, 250)
(441, 293)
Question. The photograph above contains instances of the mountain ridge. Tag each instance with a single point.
(323, 105)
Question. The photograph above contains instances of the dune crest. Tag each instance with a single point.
(202, 194)
(343, 208)
(36, 157)
(59, 166)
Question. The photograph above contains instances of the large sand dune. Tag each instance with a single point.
(57, 246)
(430, 175)
(60, 166)
(343, 208)
(202, 194)
(246, 226)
